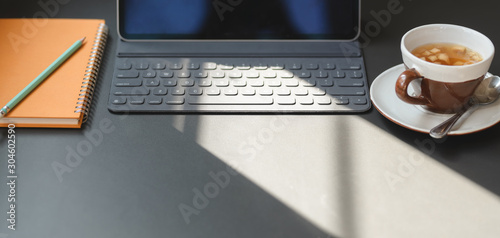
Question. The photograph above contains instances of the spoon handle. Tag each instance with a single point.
(442, 129)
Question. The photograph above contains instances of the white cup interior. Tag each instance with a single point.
(446, 33)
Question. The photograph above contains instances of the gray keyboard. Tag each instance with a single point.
(239, 85)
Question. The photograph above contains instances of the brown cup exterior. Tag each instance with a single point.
(439, 97)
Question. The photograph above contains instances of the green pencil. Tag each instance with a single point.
(21, 95)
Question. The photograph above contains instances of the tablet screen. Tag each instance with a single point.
(239, 19)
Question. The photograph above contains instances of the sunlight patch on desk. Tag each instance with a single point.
(178, 122)
(339, 182)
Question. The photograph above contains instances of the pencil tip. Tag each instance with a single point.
(83, 39)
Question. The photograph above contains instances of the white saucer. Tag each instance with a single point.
(385, 100)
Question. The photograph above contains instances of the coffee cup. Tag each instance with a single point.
(443, 88)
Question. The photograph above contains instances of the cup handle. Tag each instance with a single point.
(404, 80)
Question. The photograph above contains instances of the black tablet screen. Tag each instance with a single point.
(239, 19)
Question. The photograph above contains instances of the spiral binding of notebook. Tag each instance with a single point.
(92, 71)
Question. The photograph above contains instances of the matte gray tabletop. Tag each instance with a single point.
(312, 176)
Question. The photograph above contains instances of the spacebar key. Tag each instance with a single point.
(230, 101)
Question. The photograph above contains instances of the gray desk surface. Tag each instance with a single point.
(298, 176)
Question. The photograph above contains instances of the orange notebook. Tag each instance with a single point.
(27, 48)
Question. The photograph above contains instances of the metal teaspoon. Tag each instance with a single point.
(487, 92)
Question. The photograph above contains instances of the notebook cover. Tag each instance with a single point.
(29, 46)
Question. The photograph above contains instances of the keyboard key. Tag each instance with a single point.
(137, 101)
(200, 75)
(221, 82)
(318, 92)
(170, 83)
(355, 74)
(350, 67)
(235, 74)
(269, 74)
(239, 100)
(205, 83)
(328, 66)
(321, 74)
(148, 74)
(346, 91)
(308, 82)
(127, 74)
(152, 82)
(138, 91)
(326, 82)
(230, 91)
(195, 91)
(193, 66)
(174, 100)
(252, 74)
(239, 83)
(119, 100)
(295, 66)
(142, 66)
(175, 66)
(178, 91)
(285, 100)
(274, 83)
(243, 66)
(248, 91)
(124, 66)
(360, 101)
(304, 74)
(339, 74)
(159, 66)
(291, 82)
(226, 67)
(283, 92)
(350, 83)
(323, 100)
(186, 82)
(286, 74)
(312, 66)
(265, 92)
(129, 83)
(217, 74)
(213, 91)
(184, 74)
(209, 66)
(160, 91)
(166, 74)
(155, 101)
(341, 100)
(305, 101)
(301, 92)
(277, 66)
(260, 66)
(256, 83)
